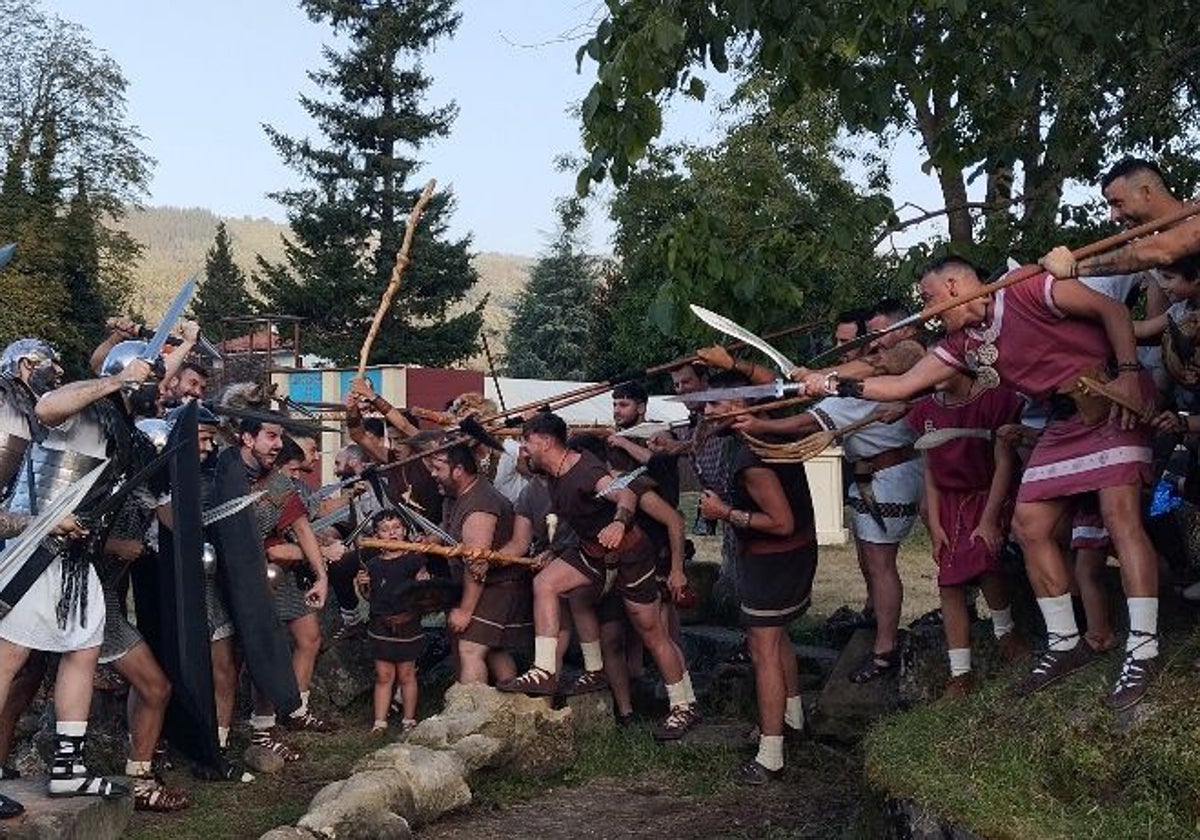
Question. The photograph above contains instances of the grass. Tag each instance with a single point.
(1055, 765)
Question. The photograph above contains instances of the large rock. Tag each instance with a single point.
(707, 647)
(591, 712)
(926, 668)
(344, 673)
(288, 832)
(908, 821)
(477, 752)
(74, 818)
(845, 709)
(430, 782)
(366, 806)
(702, 579)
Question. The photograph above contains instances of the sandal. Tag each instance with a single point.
(876, 665)
(150, 794)
(270, 739)
(59, 787)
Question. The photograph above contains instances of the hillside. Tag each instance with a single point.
(176, 240)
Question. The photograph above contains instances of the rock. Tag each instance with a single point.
(908, 821)
(731, 735)
(550, 749)
(288, 832)
(816, 659)
(591, 712)
(433, 779)
(842, 625)
(731, 692)
(363, 807)
(262, 760)
(442, 730)
(707, 648)
(477, 752)
(74, 818)
(344, 672)
(845, 709)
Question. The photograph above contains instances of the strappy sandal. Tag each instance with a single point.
(876, 665)
(60, 788)
(150, 794)
(269, 739)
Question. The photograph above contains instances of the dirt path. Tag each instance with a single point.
(818, 797)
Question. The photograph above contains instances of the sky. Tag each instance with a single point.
(204, 77)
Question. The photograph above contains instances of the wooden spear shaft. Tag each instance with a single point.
(494, 558)
(393, 285)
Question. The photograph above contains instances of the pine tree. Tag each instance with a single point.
(222, 292)
(348, 221)
(547, 338)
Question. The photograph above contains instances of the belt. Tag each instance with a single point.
(594, 551)
(887, 510)
(866, 467)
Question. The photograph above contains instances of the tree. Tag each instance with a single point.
(222, 293)
(547, 338)
(348, 222)
(72, 166)
(1025, 95)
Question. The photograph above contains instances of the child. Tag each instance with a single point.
(967, 495)
(396, 637)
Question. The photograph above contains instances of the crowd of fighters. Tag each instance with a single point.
(991, 431)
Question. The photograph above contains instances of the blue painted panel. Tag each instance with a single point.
(344, 377)
(304, 386)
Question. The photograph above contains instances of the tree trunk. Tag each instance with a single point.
(954, 185)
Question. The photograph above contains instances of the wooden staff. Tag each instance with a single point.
(806, 448)
(494, 558)
(1019, 275)
(393, 285)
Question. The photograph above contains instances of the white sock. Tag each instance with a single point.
(408, 721)
(72, 728)
(1002, 622)
(223, 736)
(593, 659)
(379, 726)
(793, 712)
(137, 768)
(689, 694)
(1061, 629)
(960, 661)
(770, 751)
(545, 651)
(676, 695)
(303, 710)
(262, 721)
(1143, 618)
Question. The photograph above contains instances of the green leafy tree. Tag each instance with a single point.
(547, 338)
(222, 292)
(1027, 96)
(348, 222)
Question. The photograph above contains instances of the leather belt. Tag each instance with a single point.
(888, 458)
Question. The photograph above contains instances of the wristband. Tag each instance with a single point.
(1129, 367)
(739, 518)
(381, 405)
(831, 382)
(850, 388)
(623, 515)
(353, 421)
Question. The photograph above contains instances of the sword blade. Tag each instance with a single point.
(22, 548)
(731, 328)
(622, 482)
(745, 392)
(330, 519)
(229, 508)
(931, 440)
(159, 340)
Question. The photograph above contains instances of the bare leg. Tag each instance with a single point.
(150, 692)
(224, 680)
(406, 672)
(955, 621)
(887, 592)
(23, 689)
(306, 644)
(647, 621)
(769, 681)
(500, 664)
(381, 697)
(612, 644)
(472, 663)
(73, 686)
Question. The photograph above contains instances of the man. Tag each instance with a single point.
(629, 405)
(771, 512)
(280, 514)
(410, 483)
(494, 614)
(608, 538)
(849, 325)
(188, 384)
(350, 462)
(1136, 193)
(1038, 337)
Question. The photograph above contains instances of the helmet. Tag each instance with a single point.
(121, 355)
(204, 416)
(155, 429)
(43, 357)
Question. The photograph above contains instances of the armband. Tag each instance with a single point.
(739, 518)
(850, 388)
(381, 405)
(623, 515)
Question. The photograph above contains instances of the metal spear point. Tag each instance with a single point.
(621, 483)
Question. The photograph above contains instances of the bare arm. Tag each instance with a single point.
(1149, 328)
(1001, 481)
(190, 331)
(657, 508)
(923, 376)
(56, 406)
(774, 515)
(477, 532)
(522, 537)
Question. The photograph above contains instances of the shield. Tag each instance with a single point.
(242, 576)
(171, 609)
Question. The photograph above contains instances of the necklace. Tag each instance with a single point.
(558, 471)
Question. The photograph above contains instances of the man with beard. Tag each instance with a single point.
(494, 614)
(63, 610)
(770, 510)
(188, 384)
(608, 537)
(278, 512)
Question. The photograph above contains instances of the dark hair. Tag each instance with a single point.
(461, 455)
(546, 423)
(199, 369)
(1132, 166)
(375, 426)
(950, 261)
(290, 451)
(386, 514)
(728, 379)
(698, 368)
(250, 426)
(1188, 266)
(891, 308)
(630, 391)
(589, 443)
(857, 316)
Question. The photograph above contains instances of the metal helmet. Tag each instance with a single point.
(156, 430)
(204, 416)
(121, 355)
(34, 349)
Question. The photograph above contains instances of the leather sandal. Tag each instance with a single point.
(876, 665)
(150, 794)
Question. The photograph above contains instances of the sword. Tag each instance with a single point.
(932, 440)
(421, 521)
(154, 346)
(647, 430)
(775, 390)
(621, 483)
(203, 343)
(229, 508)
(330, 519)
(723, 324)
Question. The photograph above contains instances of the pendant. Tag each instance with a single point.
(987, 377)
(987, 354)
(972, 359)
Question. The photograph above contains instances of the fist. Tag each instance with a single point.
(1059, 262)
(716, 357)
(136, 372)
(190, 331)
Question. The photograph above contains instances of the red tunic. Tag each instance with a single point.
(962, 470)
(1039, 349)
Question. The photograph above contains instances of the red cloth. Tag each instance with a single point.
(962, 470)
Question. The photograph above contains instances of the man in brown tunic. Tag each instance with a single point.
(495, 612)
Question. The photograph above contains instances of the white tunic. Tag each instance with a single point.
(33, 622)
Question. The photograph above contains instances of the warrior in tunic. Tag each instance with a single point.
(1045, 339)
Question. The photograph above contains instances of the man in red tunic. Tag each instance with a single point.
(1038, 337)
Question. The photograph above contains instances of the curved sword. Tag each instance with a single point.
(723, 324)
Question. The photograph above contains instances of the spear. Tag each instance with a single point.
(494, 558)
